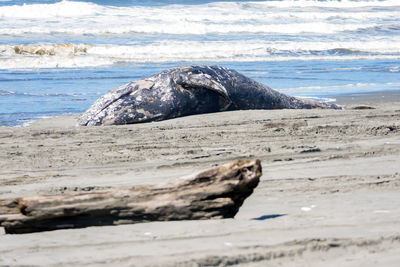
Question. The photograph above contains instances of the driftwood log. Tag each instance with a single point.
(212, 194)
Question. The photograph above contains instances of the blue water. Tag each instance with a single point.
(58, 57)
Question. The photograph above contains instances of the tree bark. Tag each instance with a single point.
(212, 194)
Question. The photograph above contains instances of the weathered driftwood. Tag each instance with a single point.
(213, 194)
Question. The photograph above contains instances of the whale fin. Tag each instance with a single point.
(205, 81)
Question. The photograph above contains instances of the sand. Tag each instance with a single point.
(329, 194)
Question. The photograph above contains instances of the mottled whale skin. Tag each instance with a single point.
(186, 91)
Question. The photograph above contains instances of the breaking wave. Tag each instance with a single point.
(88, 55)
(86, 34)
(286, 17)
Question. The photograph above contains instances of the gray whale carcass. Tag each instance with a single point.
(186, 91)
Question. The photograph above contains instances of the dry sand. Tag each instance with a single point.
(329, 194)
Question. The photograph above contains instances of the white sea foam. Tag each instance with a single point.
(5, 92)
(250, 17)
(92, 61)
(321, 99)
(329, 3)
(60, 9)
(191, 28)
(86, 55)
(240, 31)
(339, 87)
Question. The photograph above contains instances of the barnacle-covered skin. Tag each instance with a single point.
(186, 91)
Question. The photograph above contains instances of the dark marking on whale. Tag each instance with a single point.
(184, 91)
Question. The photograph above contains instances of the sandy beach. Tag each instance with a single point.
(329, 194)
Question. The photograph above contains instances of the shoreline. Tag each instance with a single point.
(369, 97)
(341, 99)
(330, 186)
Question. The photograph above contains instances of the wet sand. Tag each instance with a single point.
(329, 194)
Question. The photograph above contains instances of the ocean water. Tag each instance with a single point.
(58, 57)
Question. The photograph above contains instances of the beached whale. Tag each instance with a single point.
(186, 91)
